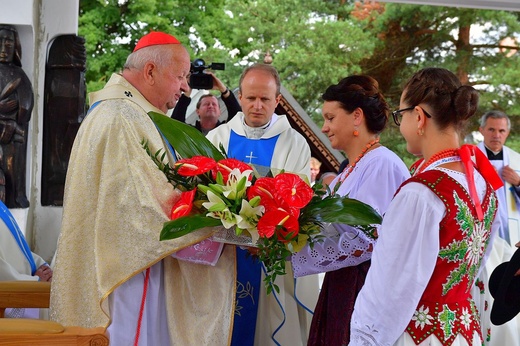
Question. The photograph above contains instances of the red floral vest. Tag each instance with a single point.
(446, 308)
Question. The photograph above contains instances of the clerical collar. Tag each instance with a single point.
(255, 132)
(494, 156)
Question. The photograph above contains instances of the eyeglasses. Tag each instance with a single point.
(397, 115)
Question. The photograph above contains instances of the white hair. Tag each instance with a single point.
(160, 55)
(495, 114)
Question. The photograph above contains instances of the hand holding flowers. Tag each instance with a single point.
(280, 213)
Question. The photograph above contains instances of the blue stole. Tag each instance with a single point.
(257, 152)
(252, 151)
(92, 107)
(172, 151)
(11, 223)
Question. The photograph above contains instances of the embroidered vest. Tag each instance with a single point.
(446, 308)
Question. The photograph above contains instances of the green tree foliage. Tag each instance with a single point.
(314, 43)
(113, 27)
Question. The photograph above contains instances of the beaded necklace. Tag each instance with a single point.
(351, 167)
(444, 156)
(452, 155)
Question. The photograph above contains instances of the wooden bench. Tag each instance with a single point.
(24, 294)
(21, 331)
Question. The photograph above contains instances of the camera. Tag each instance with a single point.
(199, 79)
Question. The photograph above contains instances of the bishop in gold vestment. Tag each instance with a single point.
(116, 200)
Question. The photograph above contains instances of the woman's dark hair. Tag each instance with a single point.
(360, 91)
(450, 102)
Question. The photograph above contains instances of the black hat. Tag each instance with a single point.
(504, 286)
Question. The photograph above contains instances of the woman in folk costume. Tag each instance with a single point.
(436, 231)
(355, 112)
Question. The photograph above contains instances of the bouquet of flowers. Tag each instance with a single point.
(281, 213)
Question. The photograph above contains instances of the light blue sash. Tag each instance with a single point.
(11, 223)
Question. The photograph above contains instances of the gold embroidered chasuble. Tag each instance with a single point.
(116, 200)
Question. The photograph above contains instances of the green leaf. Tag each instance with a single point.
(185, 139)
(343, 210)
(186, 224)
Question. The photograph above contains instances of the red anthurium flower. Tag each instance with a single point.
(263, 187)
(227, 165)
(183, 205)
(282, 204)
(296, 192)
(195, 165)
(278, 222)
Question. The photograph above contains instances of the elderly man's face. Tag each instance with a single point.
(7, 46)
(495, 133)
(172, 80)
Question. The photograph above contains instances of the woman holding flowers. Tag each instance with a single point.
(355, 112)
(436, 231)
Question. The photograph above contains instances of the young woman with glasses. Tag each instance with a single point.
(437, 228)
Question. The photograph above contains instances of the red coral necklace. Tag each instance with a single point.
(444, 156)
(350, 167)
(452, 155)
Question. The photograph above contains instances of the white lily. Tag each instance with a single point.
(218, 209)
(237, 184)
(248, 218)
(215, 202)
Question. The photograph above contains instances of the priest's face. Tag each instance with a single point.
(495, 133)
(258, 97)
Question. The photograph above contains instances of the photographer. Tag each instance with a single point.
(208, 108)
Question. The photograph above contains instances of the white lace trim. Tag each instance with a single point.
(335, 252)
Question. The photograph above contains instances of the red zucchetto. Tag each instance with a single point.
(155, 38)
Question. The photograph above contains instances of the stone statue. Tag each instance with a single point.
(16, 103)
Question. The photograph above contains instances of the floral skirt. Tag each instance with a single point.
(331, 321)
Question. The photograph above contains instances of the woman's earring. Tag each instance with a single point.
(355, 133)
(420, 131)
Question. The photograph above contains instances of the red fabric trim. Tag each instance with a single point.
(141, 309)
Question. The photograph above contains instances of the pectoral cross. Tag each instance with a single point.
(250, 157)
